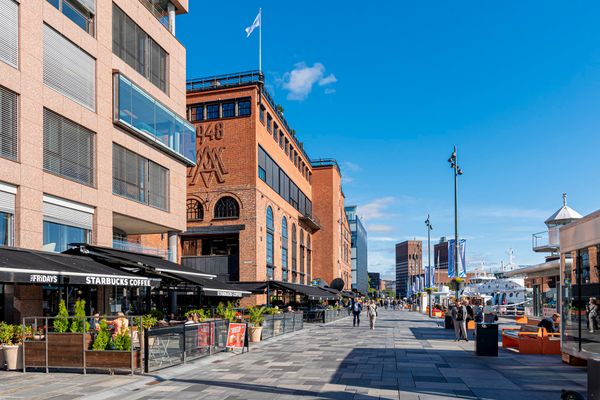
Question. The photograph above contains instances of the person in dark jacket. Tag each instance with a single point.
(549, 323)
(356, 310)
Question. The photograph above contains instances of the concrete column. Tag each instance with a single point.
(171, 10)
(173, 244)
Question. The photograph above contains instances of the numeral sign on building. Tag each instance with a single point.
(209, 160)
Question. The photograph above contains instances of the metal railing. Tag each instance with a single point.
(325, 316)
(546, 240)
(280, 324)
(138, 248)
(159, 13)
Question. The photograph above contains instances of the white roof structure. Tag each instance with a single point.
(563, 215)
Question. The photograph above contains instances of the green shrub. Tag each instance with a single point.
(6, 334)
(102, 338)
(156, 314)
(123, 341)
(201, 313)
(226, 311)
(61, 322)
(256, 315)
(79, 323)
(148, 321)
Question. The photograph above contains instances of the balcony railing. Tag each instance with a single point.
(138, 248)
(311, 220)
(159, 12)
(546, 241)
(325, 162)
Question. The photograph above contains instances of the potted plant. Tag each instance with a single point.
(457, 284)
(38, 334)
(61, 322)
(226, 312)
(79, 323)
(12, 338)
(64, 343)
(256, 318)
(5, 338)
(148, 321)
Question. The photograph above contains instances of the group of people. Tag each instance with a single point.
(120, 325)
(356, 307)
(463, 311)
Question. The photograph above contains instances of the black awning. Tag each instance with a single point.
(131, 259)
(216, 288)
(40, 267)
(312, 292)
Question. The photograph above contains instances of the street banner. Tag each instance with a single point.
(461, 273)
(236, 335)
(205, 337)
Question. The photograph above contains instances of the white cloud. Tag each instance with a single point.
(507, 212)
(350, 166)
(347, 179)
(379, 228)
(300, 81)
(382, 239)
(375, 209)
(329, 91)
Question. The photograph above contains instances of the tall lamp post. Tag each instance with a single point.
(429, 228)
(453, 160)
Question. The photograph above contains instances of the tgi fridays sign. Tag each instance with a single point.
(93, 280)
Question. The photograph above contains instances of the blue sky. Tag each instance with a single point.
(387, 88)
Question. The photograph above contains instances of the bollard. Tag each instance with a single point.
(593, 372)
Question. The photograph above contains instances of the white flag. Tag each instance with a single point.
(254, 25)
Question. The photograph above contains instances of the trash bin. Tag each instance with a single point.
(593, 389)
(486, 342)
(448, 324)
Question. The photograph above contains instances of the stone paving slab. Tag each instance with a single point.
(408, 356)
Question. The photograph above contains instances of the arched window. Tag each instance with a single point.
(227, 207)
(302, 274)
(270, 231)
(195, 211)
(308, 260)
(294, 250)
(284, 250)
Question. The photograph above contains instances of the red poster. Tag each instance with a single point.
(205, 337)
(236, 335)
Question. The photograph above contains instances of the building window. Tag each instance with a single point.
(243, 108)
(57, 237)
(8, 123)
(294, 251)
(79, 11)
(9, 32)
(269, 122)
(141, 113)
(195, 211)
(228, 110)
(270, 244)
(196, 113)
(284, 250)
(68, 149)
(139, 179)
(6, 229)
(139, 50)
(227, 207)
(275, 129)
(308, 260)
(261, 114)
(68, 69)
(302, 272)
(212, 111)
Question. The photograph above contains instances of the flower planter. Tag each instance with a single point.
(112, 359)
(13, 356)
(35, 354)
(66, 349)
(255, 333)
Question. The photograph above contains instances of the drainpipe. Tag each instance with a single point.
(171, 10)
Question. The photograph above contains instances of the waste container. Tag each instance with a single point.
(448, 324)
(486, 342)
(593, 388)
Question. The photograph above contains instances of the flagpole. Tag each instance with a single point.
(260, 40)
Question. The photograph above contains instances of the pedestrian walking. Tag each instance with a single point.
(459, 319)
(592, 315)
(356, 310)
(372, 313)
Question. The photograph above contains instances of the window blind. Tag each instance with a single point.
(157, 185)
(8, 124)
(68, 148)
(68, 69)
(7, 198)
(9, 32)
(63, 212)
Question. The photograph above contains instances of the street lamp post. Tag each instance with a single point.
(453, 160)
(429, 228)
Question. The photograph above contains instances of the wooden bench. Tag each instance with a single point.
(529, 339)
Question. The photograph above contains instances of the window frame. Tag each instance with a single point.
(233, 202)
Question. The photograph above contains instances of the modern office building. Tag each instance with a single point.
(332, 244)
(94, 143)
(375, 282)
(360, 277)
(409, 267)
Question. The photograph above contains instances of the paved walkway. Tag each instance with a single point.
(408, 356)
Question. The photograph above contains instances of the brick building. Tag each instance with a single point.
(409, 266)
(440, 254)
(333, 243)
(250, 197)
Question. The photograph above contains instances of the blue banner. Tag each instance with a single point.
(462, 270)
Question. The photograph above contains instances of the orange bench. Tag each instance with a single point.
(530, 339)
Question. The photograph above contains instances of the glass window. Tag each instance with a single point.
(228, 110)
(196, 113)
(270, 244)
(68, 149)
(262, 114)
(275, 131)
(9, 32)
(212, 111)
(243, 108)
(140, 112)
(158, 186)
(140, 51)
(227, 207)
(269, 122)
(262, 174)
(8, 124)
(6, 229)
(284, 249)
(80, 12)
(195, 211)
(57, 237)
(294, 250)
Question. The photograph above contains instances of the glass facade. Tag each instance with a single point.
(5, 229)
(80, 12)
(270, 242)
(140, 112)
(57, 236)
(284, 250)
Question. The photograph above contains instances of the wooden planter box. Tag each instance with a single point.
(112, 359)
(66, 349)
(35, 354)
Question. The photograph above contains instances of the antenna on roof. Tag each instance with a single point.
(565, 199)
